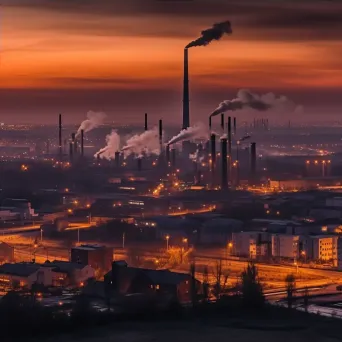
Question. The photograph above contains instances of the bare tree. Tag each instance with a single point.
(221, 279)
(290, 284)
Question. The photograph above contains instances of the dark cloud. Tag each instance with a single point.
(288, 20)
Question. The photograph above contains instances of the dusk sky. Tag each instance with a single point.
(124, 57)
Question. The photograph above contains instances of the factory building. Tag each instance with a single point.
(285, 246)
(250, 244)
(98, 257)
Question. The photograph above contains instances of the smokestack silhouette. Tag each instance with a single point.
(230, 138)
(117, 159)
(234, 125)
(209, 123)
(71, 151)
(60, 151)
(224, 175)
(253, 161)
(82, 143)
(222, 121)
(139, 160)
(146, 126)
(186, 100)
(213, 153)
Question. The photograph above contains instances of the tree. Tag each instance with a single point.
(251, 288)
(220, 285)
(290, 284)
(205, 284)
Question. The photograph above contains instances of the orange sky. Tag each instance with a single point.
(44, 47)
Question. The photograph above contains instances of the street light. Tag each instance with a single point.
(41, 234)
(167, 237)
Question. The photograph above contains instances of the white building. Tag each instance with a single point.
(324, 247)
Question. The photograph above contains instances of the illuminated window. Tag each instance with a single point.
(157, 287)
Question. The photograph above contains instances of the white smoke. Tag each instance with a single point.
(113, 145)
(146, 143)
(198, 131)
(194, 156)
(246, 99)
(94, 119)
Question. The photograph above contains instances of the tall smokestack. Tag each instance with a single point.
(209, 123)
(117, 159)
(82, 142)
(253, 161)
(186, 101)
(146, 126)
(234, 125)
(230, 138)
(71, 151)
(60, 151)
(213, 153)
(224, 175)
(222, 121)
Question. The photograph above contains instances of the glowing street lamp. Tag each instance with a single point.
(167, 237)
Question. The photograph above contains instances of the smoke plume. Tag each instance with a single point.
(246, 137)
(197, 131)
(94, 119)
(246, 99)
(146, 143)
(214, 33)
(113, 145)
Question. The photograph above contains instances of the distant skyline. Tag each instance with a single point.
(125, 57)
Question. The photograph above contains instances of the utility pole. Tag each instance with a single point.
(78, 235)
(123, 240)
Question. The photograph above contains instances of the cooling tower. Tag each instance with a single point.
(186, 101)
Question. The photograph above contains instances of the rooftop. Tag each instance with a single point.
(20, 269)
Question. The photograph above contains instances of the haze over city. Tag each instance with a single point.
(125, 57)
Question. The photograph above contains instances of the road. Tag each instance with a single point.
(271, 276)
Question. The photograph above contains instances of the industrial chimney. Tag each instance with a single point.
(213, 152)
(146, 127)
(224, 170)
(253, 161)
(210, 123)
(60, 136)
(234, 125)
(161, 134)
(71, 151)
(230, 138)
(222, 122)
(186, 101)
(82, 143)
